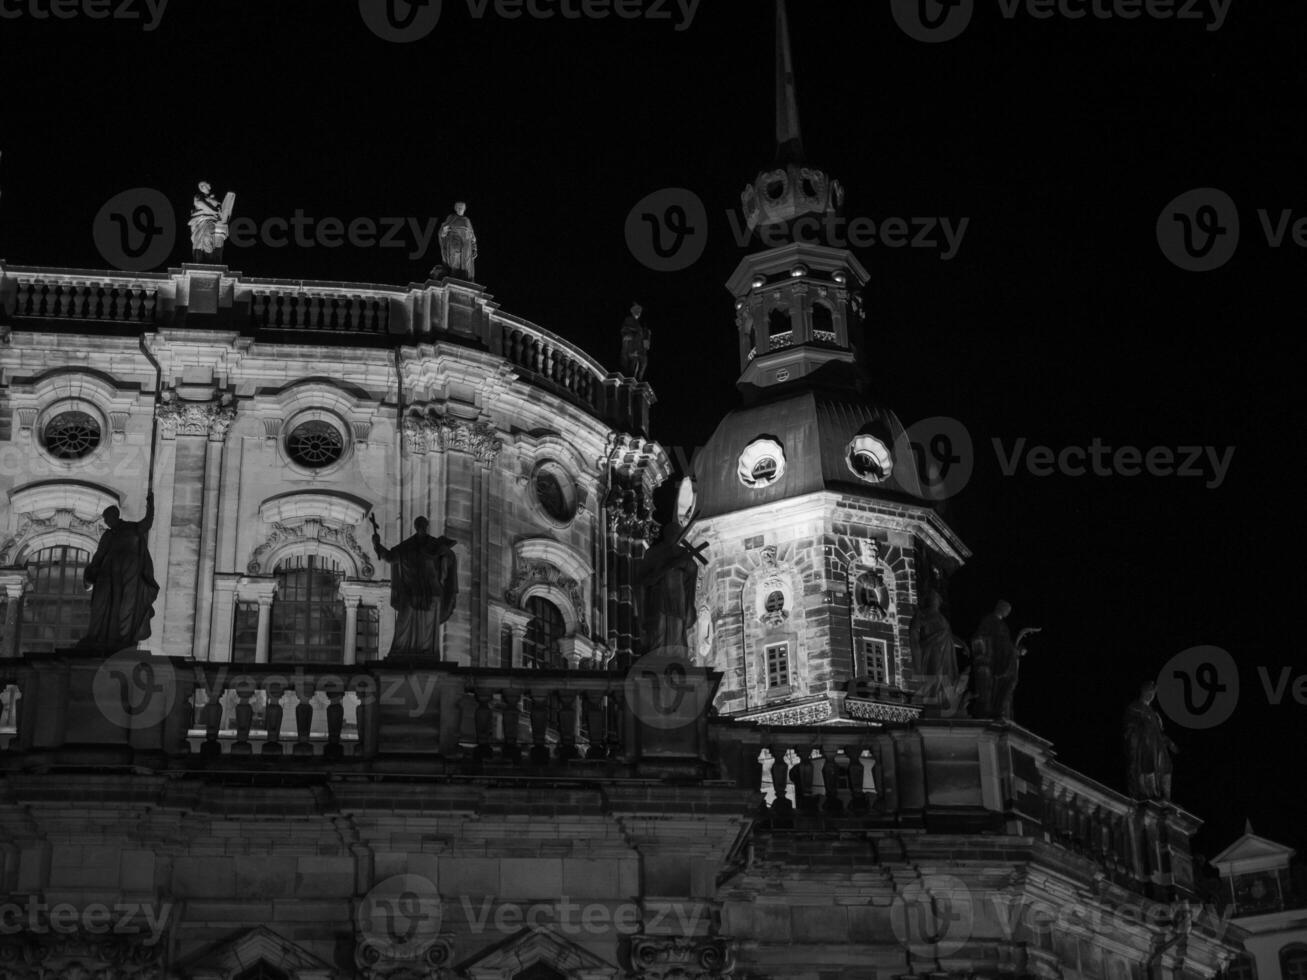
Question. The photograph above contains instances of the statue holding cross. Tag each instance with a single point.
(668, 575)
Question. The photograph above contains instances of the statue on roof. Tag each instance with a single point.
(934, 655)
(423, 588)
(996, 663)
(458, 244)
(209, 224)
(636, 339)
(1148, 750)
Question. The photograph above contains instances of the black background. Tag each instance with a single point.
(1059, 320)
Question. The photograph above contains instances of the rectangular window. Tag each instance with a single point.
(245, 634)
(873, 660)
(778, 665)
(367, 634)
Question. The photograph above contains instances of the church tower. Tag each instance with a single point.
(821, 538)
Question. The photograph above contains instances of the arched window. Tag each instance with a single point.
(1293, 962)
(540, 646)
(308, 614)
(823, 323)
(56, 609)
(779, 324)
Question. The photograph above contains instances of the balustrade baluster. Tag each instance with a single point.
(567, 720)
(303, 720)
(333, 750)
(244, 715)
(273, 714)
(596, 728)
(539, 714)
(512, 719)
(212, 717)
(484, 718)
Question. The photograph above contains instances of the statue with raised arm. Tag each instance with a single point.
(1148, 750)
(121, 580)
(934, 654)
(208, 224)
(635, 344)
(996, 663)
(458, 243)
(423, 588)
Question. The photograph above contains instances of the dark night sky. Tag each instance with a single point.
(1058, 321)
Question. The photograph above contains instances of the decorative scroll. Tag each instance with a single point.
(679, 958)
(30, 526)
(77, 956)
(311, 531)
(529, 573)
(195, 419)
(871, 584)
(381, 961)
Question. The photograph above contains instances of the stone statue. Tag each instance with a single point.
(458, 244)
(934, 653)
(121, 580)
(667, 576)
(996, 664)
(635, 344)
(209, 218)
(423, 588)
(1148, 750)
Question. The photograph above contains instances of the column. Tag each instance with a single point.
(262, 591)
(515, 621)
(354, 595)
(13, 582)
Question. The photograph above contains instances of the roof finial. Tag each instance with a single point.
(1248, 827)
(789, 139)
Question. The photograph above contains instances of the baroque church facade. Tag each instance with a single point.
(264, 790)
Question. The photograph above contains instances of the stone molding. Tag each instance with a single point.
(435, 433)
(681, 958)
(311, 531)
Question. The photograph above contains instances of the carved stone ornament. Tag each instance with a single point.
(681, 958)
(871, 584)
(309, 531)
(195, 419)
(529, 573)
(378, 960)
(74, 956)
(435, 433)
(31, 526)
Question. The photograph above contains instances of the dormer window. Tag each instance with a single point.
(761, 464)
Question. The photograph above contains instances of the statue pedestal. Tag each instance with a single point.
(415, 708)
(80, 708)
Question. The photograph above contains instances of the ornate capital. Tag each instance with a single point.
(380, 961)
(195, 419)
(434, 433)
(678, 958)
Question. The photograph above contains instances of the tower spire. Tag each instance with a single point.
(789, 137)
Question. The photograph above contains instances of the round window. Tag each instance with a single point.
(71, 435)
(315, 444)
(555, 492)
(869, 459)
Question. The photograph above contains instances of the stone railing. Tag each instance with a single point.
(72, 297)
(174, 714)
(304, 310)
(551, 359)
